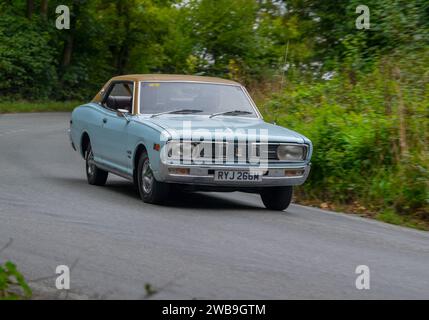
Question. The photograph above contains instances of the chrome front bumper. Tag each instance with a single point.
(204, 175)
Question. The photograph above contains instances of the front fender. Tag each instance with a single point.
(147, 136)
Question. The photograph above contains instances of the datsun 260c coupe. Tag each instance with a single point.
(198, 133)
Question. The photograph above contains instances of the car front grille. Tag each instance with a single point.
(237, 152)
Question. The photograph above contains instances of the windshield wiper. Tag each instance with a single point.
(230, 113)
(179, 111)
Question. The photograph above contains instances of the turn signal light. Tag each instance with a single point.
(180, 171)
(294, 173)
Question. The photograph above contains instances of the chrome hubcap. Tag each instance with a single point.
(147, 177)
(90, 167)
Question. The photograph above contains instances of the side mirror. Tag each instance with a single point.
(123, 113)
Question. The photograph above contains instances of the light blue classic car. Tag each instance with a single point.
(198, 133)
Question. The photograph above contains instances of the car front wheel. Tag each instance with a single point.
(95, 175)
(277, 198)
(151, 191)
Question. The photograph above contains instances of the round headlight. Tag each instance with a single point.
(183, 150)
(290, 152)
(175, 150)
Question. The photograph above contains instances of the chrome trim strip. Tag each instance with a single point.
(188, 176)
(133, 97)
(237, 168)
(138, 99)
(266, 181)
(252, 102)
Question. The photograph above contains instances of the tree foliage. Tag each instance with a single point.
(242, 39)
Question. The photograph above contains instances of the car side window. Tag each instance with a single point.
(120, 96)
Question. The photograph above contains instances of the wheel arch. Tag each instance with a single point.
(84, 142)
(140, 149)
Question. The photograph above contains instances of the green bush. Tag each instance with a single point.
(27, 63)
(360, 153)
(12, 283)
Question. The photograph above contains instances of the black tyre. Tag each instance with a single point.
(151, 191)
(95, 175)
(277, 198)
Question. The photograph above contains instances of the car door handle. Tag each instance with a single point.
(104, 120)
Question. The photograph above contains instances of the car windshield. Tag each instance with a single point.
(208, 99)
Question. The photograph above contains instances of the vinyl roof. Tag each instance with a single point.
(172, 77)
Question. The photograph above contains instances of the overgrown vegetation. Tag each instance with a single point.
(362, 96)
(370, 138)
(31, 106)
(12, 283)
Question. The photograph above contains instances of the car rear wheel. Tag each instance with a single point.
(94, 175)
(151, 191)
(277, 198)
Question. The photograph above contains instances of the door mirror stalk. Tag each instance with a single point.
(123, 113)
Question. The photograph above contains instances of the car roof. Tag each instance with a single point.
(171, 77)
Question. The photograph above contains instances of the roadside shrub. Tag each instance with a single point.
(12, 283)
(370, 137)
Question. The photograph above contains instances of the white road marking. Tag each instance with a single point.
(11, 132)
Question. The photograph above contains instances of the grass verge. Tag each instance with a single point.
(13, 286)
(42, 106)
(387, 215)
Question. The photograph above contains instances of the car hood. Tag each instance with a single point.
(184, 126)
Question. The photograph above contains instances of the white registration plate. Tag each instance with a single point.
(222, 175)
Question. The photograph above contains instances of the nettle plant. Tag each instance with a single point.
(12, 283)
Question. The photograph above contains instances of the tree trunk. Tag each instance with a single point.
(68, 50)
(121, 50)
(44, 9)
(30, 8)
(69, 41)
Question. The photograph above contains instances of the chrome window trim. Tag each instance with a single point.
(137, 112)
(133, 102)
(110, 88)
(250, 100)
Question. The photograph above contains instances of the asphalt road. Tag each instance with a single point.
(204, 245)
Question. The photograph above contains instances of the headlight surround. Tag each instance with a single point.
(287, 152)
(175, 150)
(178, 150)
